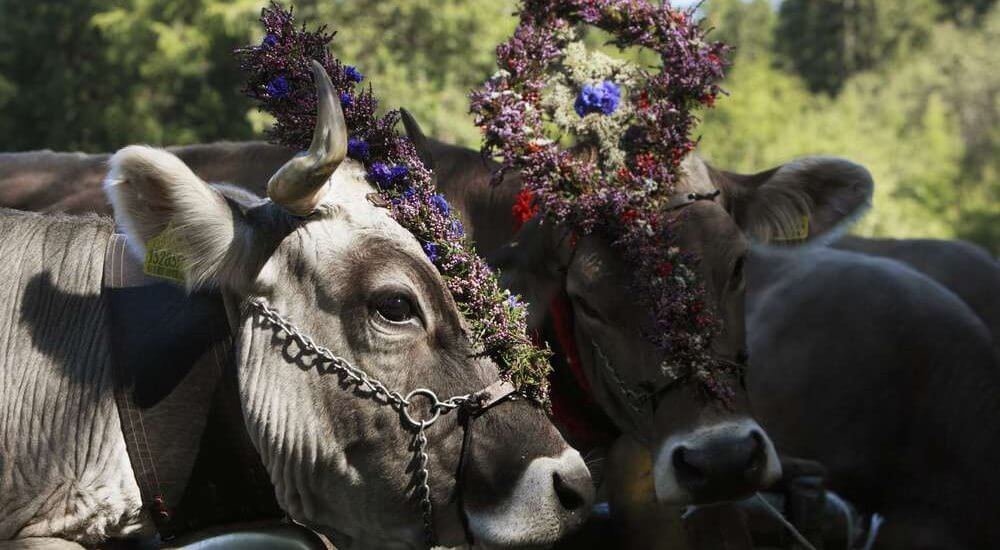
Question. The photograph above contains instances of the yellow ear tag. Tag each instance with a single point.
(163, 257)
(802, 233)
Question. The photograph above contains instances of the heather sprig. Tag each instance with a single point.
(640, 142)
(497, 322)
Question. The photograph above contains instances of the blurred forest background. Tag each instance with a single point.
(909, 88)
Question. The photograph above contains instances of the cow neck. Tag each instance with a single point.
(178, 402)
(574, 408)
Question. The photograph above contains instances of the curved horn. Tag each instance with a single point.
(299, 185)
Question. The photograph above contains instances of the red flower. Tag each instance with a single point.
(643, 101)
(629, 216)
(665, 269)
(645, 162)
(524, 208)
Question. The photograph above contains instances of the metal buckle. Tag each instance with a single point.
(435, 408)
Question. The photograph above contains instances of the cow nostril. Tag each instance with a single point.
(570, 497)
(686, 472)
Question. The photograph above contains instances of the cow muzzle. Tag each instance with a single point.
(552, 498)
(724, 462)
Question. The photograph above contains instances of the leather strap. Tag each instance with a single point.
(227, 482)
(119, 272)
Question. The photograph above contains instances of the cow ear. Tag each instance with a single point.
(533, 265)
(814, 198)
(156, 196)
(418, 138)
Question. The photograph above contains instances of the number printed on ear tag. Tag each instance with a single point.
(163, 257)
(801, 234)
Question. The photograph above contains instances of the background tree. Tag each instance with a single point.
(95, 74)
(425, 55)
(828, 41)
(906, 87)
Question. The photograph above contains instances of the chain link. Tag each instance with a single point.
(423, 488)
(637, 400)
(362, 380)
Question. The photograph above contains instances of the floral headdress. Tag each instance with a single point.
(279, 78)
(637, 121)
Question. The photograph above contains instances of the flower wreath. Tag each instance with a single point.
(638, 122)
(279, 79)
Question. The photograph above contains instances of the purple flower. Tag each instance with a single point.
(393, 169)
(380, 174)
(278, 87)
(398, 173)
(353, 74)
(600, 98)
(385, 176)
(431, 250)
(513, 302)
(441, 204)
(357, 148)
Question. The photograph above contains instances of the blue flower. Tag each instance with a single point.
(278, 87)
(357, 148)
(409, 192)
(457, 229)
(598, 98)
(513, 302)
(380, 174)
(352, 73)
(269, 41)
(384, 176)
(431, 250)
(346, 100)
(441, 204)
(398, 173)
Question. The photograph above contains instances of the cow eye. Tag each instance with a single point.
(395, 308)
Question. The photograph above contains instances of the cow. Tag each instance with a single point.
(962, 267)
(889, 380)
(708, 431)
(723, 453)
(320, 264)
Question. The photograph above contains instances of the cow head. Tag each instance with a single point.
(326, 255)
(703, 451)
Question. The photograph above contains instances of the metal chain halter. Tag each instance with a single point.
(470, 403)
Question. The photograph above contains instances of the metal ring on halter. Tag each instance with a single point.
(434, 408)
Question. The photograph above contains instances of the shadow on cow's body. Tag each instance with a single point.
(962, 267)
(909, 430)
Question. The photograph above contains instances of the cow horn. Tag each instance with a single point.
(299, 185)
